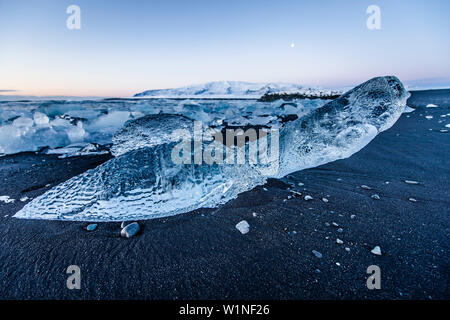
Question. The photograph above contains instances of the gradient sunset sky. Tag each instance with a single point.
(125, 47)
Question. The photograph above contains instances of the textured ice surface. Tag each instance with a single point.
(149, 131)
(145, 183)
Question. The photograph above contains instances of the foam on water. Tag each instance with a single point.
(144, 182)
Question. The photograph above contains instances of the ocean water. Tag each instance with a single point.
(34, 125)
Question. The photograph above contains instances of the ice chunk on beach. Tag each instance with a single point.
(6, 199)
(408, 109)
(145, 183)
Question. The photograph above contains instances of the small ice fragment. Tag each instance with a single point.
(429, 117)
(254, 214)
(412, 200)
(431, 105)
(335, 224)
(447, 125)
(325, 200)
(296, 193)
(338, 264)
(347, 249)
(308, 197)
(91, 227)
(443, 130)
(130, 230)
(6, 199)
(408, 109)
(340, 230)
(243, 227)
(366, 187)
(376, 197)
(376, 250)
(352, 216)
(301, 184)
(265, 189)
(317, 254)
(23, 199)
(338, 179)
(411, 182)
(339, 241)
(387, 182)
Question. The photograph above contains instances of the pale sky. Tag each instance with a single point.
(125, 47)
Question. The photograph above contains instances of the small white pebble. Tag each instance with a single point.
(308, 197)
(317, 254)
(243, 227)
(376, 251)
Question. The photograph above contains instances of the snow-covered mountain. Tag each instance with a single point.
(230, 89)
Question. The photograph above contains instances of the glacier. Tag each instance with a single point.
(142, 181)
(234, 89)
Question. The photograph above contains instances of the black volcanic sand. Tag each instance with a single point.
(202, 255)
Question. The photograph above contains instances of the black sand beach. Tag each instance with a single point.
(201, 255)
